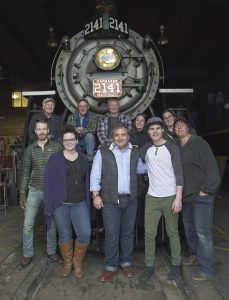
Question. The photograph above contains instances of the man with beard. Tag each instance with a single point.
(32, 176)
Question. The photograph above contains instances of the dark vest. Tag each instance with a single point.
(109, 177)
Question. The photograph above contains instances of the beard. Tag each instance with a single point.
(41, 137)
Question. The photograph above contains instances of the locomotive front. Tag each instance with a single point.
(107, 60)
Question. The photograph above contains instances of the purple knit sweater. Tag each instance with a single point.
(55, 184)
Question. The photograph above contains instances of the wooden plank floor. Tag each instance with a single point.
(41, 280)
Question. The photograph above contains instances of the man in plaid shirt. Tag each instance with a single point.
(85, 123)
(111, 120)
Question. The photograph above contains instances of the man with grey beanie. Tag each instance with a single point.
(165, 174)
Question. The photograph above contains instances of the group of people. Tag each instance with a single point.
(88, 126)
(183, 177)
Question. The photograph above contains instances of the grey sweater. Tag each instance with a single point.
(199, 167)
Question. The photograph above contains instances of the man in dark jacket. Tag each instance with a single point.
(201, 180)
(114, 187)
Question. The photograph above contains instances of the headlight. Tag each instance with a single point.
(107, 58)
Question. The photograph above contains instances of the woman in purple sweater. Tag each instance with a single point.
(67, 201)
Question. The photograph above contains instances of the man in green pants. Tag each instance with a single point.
(164, 195)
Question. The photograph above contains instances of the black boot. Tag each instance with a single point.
(146, 273)
(174, 272)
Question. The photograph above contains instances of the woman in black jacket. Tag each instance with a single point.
(138, 134)
(139, 137)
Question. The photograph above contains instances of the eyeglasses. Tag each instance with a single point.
(69, 140)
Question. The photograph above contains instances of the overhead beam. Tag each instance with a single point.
(177, 91)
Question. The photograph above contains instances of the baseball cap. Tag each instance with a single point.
(154, 121)
(48, 99)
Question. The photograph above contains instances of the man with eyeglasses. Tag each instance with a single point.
(32, 178)
(165, 174)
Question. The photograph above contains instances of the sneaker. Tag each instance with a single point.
(174, 272)
(25, 261)
(55, 258)
(146, 274)
(200, 277)
(191, 261)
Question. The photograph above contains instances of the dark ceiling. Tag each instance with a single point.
(198, 33)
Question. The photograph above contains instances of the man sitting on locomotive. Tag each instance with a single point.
(54, 121)
(85, 123)
(109, 121)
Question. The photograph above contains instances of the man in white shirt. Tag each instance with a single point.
(164, 195)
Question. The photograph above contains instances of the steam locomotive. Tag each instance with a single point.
(107, 60)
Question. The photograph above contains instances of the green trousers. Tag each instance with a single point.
(154, 208)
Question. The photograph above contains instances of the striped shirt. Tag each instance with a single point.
(33, 166)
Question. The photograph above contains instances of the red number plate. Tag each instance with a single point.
(109, 87)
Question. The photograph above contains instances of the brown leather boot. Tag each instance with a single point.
(79, 253)
(67, 253)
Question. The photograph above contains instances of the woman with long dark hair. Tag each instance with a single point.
(138, 134)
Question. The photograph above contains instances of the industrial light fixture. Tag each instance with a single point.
(163, 40)
(52, 41)
(65, 42)
(18, 100)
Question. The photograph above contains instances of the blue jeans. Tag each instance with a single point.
(197, 218)
(119, 222)
(34, 199)
(75, 215)
(87, 142)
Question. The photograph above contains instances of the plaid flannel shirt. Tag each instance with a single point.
(102, 129)
(91, 126)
